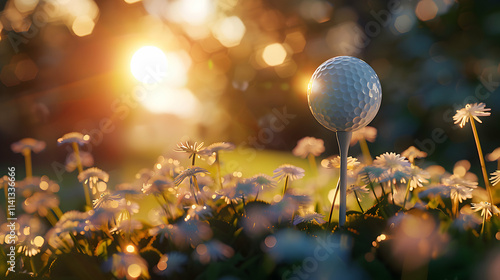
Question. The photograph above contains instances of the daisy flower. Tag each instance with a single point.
(31, 246)
(74, 137)
(229, 195)
(484, 207)
(417, 178)
(73, 221)
(372, 174)
(391, 163)
(217, 147)
(471, 111)
(367, 133)
(309, 146)
(95, 178)
(459, 189)
(495, 177)
(30, 144)
(261, 181)
(170, 263)
(86, 158)
(494, 156)
(289, 172)
(31, 185)
(334, 162)
(93, 174)
(26, 146)
(412, 153)
(312, 217)
(77, 139)
(189, 172)
(191, 149)
(193, 183)
(458, 181)
(59, 242)
(41, 202)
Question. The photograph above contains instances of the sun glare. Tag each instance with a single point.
(149, 65)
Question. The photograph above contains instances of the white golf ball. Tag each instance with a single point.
(344, 94)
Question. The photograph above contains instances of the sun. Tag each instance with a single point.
(149, 65)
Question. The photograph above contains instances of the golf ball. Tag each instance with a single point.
(344, 94)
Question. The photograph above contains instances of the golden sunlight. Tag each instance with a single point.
(149, 65)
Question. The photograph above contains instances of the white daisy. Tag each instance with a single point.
(74, 137)
(471, 110)
(28, 144)
(368, 133)
(412, 153)
(288, 170)
(309, 145)
(495, 177)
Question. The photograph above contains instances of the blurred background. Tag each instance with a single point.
(140, 76)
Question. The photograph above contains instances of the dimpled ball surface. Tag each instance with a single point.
(344, 94)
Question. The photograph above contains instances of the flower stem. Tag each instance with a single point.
(58, 212)
(333, 202)
(365, 151)
(286, 185)
(218, 169)
(481, 160)
(357, 200)
(257, 195)
(27, 161)
(370, 184)
(193, 189)
(484, 221)
(80, 170)
(194, 157)
(33, 267)
(454, 206)
(392, 193)
(406, 195)
(312, 163)
(50, 216)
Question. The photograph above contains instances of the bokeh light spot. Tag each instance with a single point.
(134, 270)
(403, 23)
(83, 26)
(270, 241)
(426, 10)
(130, 248)
(274, 54)
(25, 6)
(229, 31)
(38, 241)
